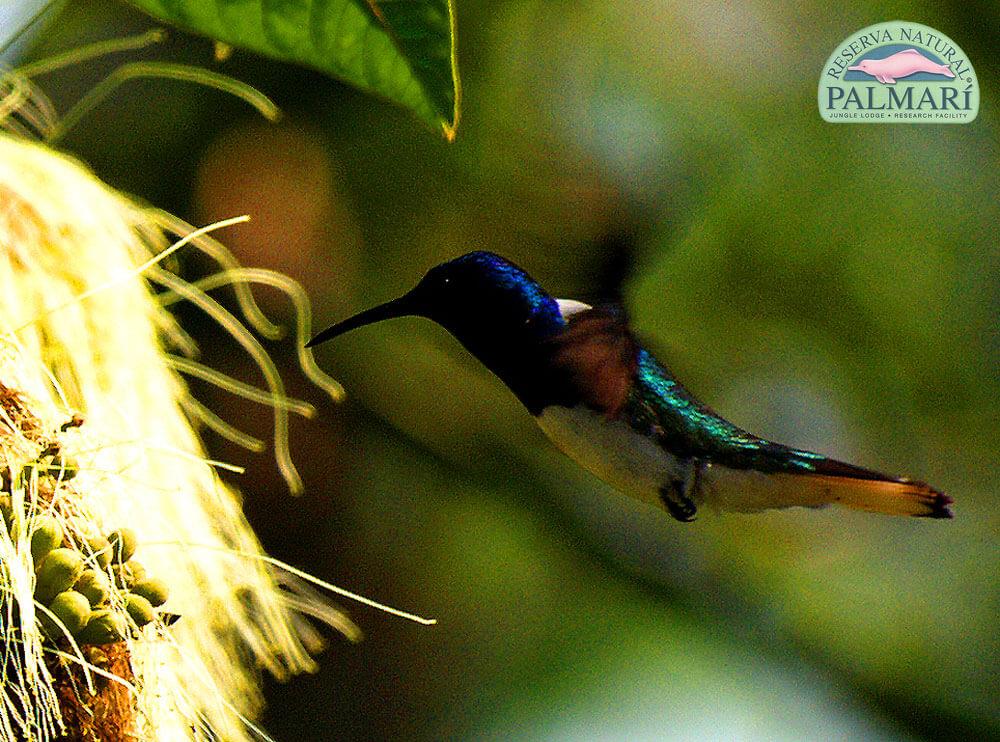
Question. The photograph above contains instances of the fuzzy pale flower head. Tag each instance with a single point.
(83, 333)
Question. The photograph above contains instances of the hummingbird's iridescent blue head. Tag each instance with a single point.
(495, 309)
(482, 298)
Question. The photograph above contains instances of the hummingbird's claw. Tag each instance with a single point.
(676, 501)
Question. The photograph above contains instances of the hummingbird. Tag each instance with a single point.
(606, 402)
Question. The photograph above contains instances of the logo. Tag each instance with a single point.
(898, 72)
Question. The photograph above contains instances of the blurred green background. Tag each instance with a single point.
(832, 286)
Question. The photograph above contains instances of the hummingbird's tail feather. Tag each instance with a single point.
(899, 497)
(832, 483)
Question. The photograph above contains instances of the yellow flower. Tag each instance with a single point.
(82, 332)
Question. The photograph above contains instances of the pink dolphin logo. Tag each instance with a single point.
(900, 64)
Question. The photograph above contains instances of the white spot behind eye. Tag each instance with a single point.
(569, 307)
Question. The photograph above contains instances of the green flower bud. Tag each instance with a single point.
(125, 575)
(123, 545)
(153, 590)
(72, 609)
(59, 571)
(94, 586)
(139, 609)
(46, 536)
(137, 571)
(101, 548)
(104, 627)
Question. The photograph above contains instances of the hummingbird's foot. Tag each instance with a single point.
(682, 508)
(677, 494)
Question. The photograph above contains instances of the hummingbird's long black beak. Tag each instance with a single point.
(401, 307)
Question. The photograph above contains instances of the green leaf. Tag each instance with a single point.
(403, 50)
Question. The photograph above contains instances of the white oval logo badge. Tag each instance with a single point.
(898, 73)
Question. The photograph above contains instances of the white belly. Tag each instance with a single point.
(631, 463)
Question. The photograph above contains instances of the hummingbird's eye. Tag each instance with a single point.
(437, 281)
